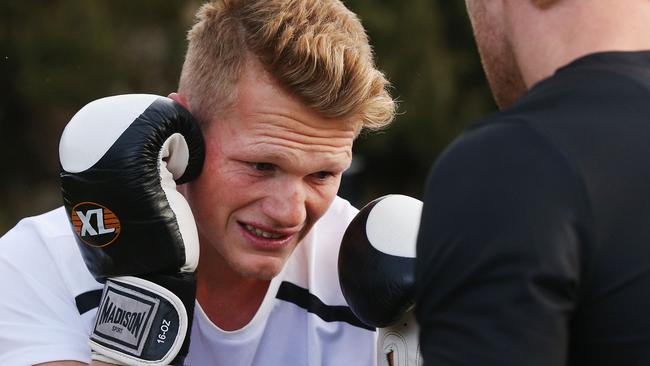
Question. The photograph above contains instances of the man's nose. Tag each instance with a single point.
(286, 203)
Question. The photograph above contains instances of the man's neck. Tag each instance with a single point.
(547, 39)
(229, 300)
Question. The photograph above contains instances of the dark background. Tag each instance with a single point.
(57, 55)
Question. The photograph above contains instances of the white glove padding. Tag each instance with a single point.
(398, 344)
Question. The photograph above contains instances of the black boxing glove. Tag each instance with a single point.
(377, 275)
(121, 158)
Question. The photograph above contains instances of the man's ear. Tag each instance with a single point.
(180, 99)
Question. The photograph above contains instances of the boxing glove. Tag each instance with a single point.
(121, 158)
(376, 273)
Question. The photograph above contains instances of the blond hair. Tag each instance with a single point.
(316, 49)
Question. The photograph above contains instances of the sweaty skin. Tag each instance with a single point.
(272, 169)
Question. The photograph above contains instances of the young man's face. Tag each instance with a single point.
(495, 48)
(272, 169)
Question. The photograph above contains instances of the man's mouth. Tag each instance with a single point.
(261, 233)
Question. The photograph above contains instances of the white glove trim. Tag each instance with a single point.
(402, 340)
(122, 358)
(172, 162)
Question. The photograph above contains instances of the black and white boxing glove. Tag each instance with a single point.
(121, 158)
(377, 274)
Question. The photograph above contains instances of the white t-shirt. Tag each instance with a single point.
(49, 300)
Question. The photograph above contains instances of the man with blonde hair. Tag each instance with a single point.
(280, 90)
(533, 247)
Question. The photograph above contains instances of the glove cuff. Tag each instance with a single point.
(140, 322)
(99, 357)
(398, 343)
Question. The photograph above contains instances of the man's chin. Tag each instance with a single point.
(266, 276)
(263, 275)
(265, 271)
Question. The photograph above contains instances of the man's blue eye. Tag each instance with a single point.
(322, 175)
(263, 167)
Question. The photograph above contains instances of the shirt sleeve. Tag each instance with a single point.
(38, 316)
(497, 266)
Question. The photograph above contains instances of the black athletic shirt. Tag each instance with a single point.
(534, 246)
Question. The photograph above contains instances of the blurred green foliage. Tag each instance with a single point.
(56, 56)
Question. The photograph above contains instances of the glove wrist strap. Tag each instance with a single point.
(138, 323)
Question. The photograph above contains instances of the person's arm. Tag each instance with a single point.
(38, 316)
(498, 251)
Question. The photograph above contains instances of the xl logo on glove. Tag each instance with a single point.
(95, 224)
